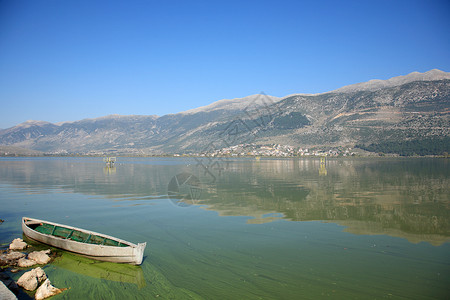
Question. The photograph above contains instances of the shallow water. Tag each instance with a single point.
(243, 228)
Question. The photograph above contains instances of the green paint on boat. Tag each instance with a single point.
(76, 235)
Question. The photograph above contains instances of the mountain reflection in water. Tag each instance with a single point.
(406, 198)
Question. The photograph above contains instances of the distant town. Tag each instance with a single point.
(274, 150)
(240, 150)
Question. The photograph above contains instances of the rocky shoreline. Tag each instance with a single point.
(16, 258)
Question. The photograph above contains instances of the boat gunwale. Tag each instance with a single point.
(129, 244)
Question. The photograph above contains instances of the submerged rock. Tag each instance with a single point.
(25, 263)
(40, 257)
(3, 261)
(46, 290)
(14, 258)
(15, 255)
(31, 279)
(18, 244)
(11, 258)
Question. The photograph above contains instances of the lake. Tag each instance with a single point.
(241, 228)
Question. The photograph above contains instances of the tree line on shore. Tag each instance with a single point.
(422, 147)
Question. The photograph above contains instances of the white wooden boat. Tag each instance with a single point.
(85, 242)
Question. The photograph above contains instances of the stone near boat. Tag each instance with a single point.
(25, 263)
(31, 279)
(46, 290)
(11, 258)
(15, 255)
(3, 261)
(40, 257)
(18, 244)
(14, 258)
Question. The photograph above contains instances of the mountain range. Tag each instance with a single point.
(404, 108)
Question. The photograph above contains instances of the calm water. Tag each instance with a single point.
(244, 228)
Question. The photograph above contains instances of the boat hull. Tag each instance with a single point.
(131, 253)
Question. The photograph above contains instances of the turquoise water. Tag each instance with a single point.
(243, 228)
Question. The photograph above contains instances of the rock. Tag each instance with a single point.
(18, 244)
(11, 258)
(46, 290)
(31, 279)
(25, 263)
(15, 255)
(3, 261)
(40, 257)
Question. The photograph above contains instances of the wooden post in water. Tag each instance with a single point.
(322, 166)
(110, 161)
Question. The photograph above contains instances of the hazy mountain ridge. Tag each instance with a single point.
(234, 104)
(411, 111)
(376, 84)
(401, 108)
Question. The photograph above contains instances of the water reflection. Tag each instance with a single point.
(184, 189)
(109, 170)
(323, 167)
(406, 198)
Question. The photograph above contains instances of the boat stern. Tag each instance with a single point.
(139, 253)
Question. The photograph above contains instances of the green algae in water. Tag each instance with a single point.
(92, 281)
(273, 229)
(103, 270)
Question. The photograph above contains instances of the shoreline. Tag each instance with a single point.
(372, 155)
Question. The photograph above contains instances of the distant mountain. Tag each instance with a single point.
(234, 104)
(405, 108)
(377, 84)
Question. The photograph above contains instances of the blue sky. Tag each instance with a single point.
(69, 60)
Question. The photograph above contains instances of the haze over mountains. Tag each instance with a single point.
(404, 108)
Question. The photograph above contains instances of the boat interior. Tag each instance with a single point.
(74, 235)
